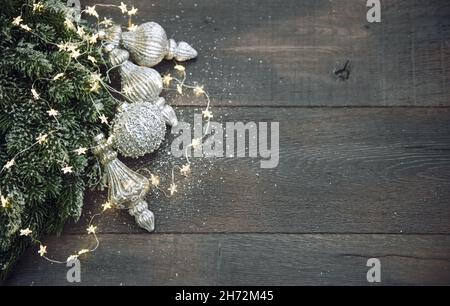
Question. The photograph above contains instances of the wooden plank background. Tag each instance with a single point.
(364, 166)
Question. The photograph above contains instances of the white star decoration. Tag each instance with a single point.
(167, 79)
(80, 150)
(42, 138)
(103, 119)
(154, 180)
(172, 189)
(42, 250)
(10, 164)
(5, 201)
(106, 206)
(207, 114)
(52, 112)
(90, 10)
(196, 143)
(91, 229)
(123, 7)
(17, 20)
(67, 169)
(198, 90)
(185, 169)
(133, 11)
(25, 232)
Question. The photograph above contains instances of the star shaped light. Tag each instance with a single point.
(10, 163)
(207, 114)
(167, 79)
(25, 27)
(95, 86)
(132, 27)
(35, 94)
(185, 169)
(58, 76)
(75, 54)
(106, 206)
(90, 10)
(172, 188)
(123, 7)
(81, 32)
(179, 68)
(69, 24)
(67, 169)
(16, 21)
(179, 89)
(103, 119)
(91, 229)
(93, 39)
(37, 7)
(80, 150)
(198, 90)
(92, 59)
(154, 179)
(133, 11)
(42, 138)
(5, 201)
(42, 250)
(196, 143)
(52, 112)
(25, 232)
(107, 22)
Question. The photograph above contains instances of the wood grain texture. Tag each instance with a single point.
(243, 259)
(364, 163)
(340, 171)
(284, 52)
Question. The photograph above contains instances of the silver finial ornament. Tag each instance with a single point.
(126, 188)
(111, 35)
(138, 83)
(148, 45)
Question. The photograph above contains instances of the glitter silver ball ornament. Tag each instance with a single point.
(138, 129)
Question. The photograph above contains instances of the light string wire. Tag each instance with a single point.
(96, 82)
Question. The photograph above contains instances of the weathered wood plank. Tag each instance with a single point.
(255, 259)
(283, 52)
(371, 170)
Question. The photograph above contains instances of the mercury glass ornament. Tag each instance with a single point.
(142, 83)
(167, 112)
(148, 45)
(111, 35)
(138, 83)
(138, 129)
(126, 188)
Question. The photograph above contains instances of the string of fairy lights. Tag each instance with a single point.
(95, 84)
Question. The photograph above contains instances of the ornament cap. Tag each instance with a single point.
(181, 51)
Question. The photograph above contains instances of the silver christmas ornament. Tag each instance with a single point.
(117, 56)
(111, 35)
(138, 83)
(148, 45)
(167, 112)
(138, 129)
(126, 188)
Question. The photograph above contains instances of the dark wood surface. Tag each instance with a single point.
(364, 165)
